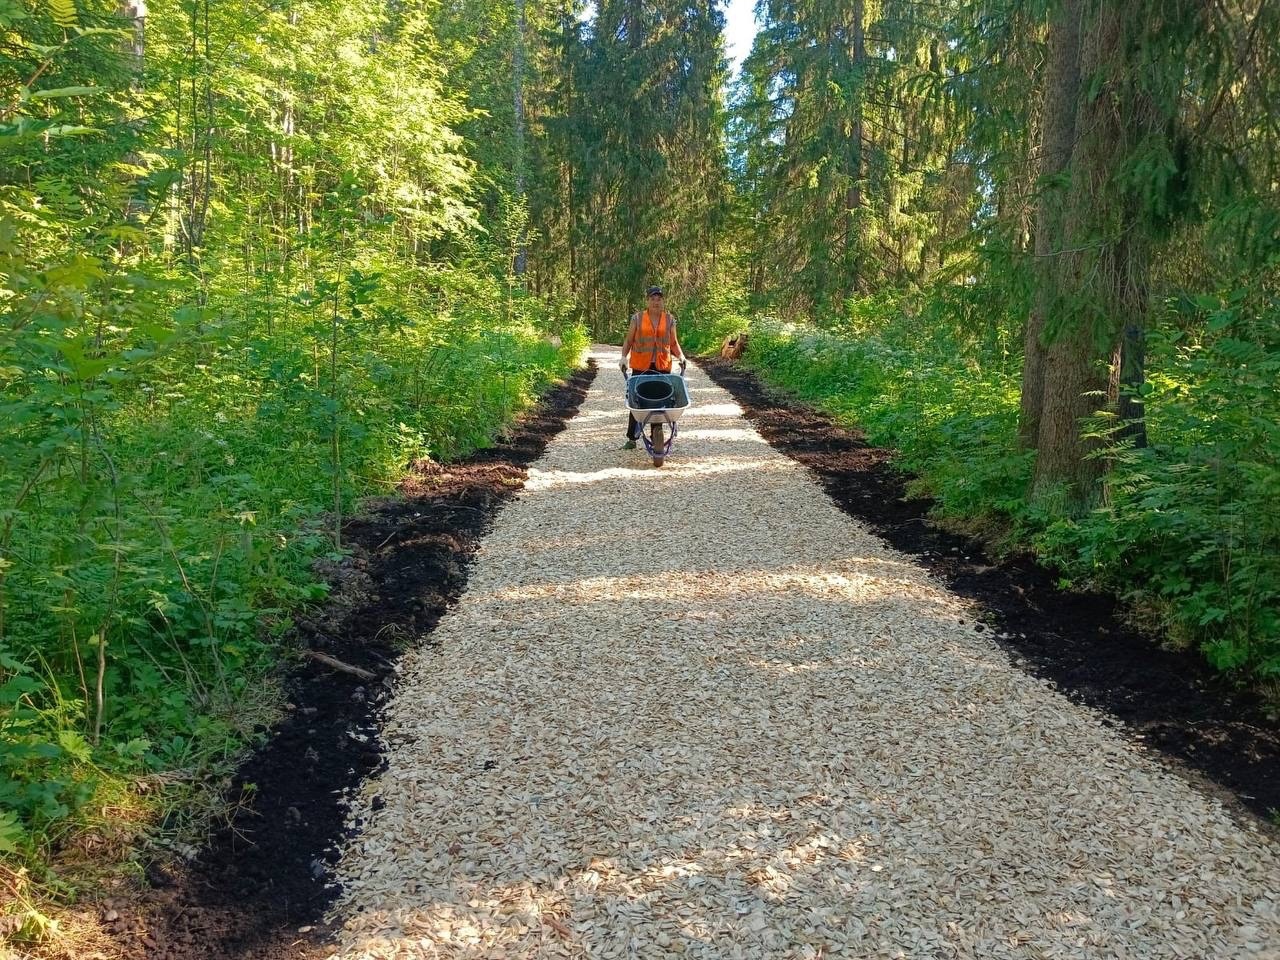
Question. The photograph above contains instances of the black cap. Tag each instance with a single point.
(653, 292)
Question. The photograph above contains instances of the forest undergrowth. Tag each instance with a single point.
(238, 295)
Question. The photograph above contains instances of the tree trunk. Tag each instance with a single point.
(517, 96)
(1074, 384)
(1127, 377)
(1061, 93)
(853, 200)
(136, 12)
(634, 29)
(1106, 258)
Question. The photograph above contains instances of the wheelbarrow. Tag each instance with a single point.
(657, 400)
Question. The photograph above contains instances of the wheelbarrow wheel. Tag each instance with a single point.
(657, 440)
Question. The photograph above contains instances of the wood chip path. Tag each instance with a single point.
(699, 712)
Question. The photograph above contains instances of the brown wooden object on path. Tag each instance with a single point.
(734, 344)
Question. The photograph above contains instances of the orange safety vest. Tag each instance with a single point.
(652, 345)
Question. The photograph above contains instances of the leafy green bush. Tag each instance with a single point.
(722, 310)
(136, 589)
(1191, 519)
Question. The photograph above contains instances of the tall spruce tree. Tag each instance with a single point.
(855, 158)
(635, 186)
(802, 134)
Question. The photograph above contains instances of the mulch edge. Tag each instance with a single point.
(1220, 737)
(247, 899)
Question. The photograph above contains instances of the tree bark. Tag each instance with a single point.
(135, 11)
(1127, 377)
(517, 96)
(1075, 384)
(1061, 95)
(1105, 263)
(853, 200)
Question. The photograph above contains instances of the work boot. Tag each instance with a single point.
(629, 445)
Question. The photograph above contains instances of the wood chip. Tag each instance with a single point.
(699, 712)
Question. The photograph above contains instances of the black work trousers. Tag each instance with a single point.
(633, 428)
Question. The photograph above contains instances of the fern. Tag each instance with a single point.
(64, 13)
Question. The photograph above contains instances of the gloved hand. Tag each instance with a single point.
(622, 365)
(684, 365)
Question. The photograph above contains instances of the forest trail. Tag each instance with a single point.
(736, 724)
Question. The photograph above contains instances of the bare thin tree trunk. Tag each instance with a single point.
(853, 199)
(517, 95)
(208, 132)
(136, 11)
(1127, 377)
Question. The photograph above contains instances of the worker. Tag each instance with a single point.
(650, 344)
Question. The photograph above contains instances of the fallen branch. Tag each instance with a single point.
(336, 664)
(558, 927)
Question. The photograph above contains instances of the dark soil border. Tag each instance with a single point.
(1171, 701)
(260, 887)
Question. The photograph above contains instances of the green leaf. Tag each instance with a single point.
(75, 745)
(62, 92)
(17, 687)
(84, 368)
(69, 130)
(63, 13)
(11, 832)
